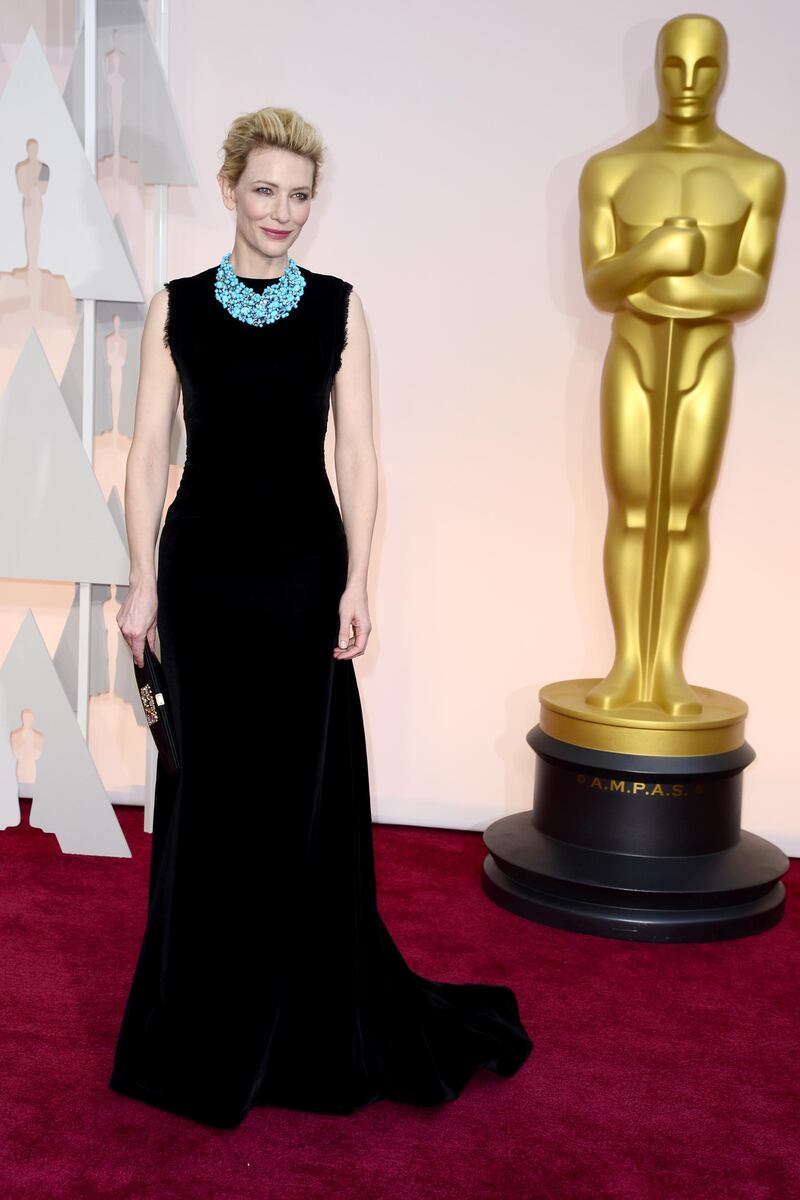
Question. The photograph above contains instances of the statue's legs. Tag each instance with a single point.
(656, 548)
(700, 428)
(32, 222)
(625, 424)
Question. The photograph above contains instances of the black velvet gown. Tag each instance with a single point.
(266, 974)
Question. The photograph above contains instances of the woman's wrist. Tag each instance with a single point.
(142, 579)
(358, 579)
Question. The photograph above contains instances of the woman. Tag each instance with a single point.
(266, 975)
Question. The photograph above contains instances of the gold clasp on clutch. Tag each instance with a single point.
(149, 704)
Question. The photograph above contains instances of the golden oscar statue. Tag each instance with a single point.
(637, 805)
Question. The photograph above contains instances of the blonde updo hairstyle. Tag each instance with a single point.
(282, 128)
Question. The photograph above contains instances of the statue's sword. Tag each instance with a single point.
(665, 401)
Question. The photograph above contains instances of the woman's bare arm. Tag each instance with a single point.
(147, 474)
(356, 476)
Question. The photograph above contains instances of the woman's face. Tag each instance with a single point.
(272, 199)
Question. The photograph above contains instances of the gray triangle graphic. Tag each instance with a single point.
(65, 659)
(56, 524)
(149, 130)
(78, 240)
(126, 246)
(72, 383)
(69, 799)
(117, 510)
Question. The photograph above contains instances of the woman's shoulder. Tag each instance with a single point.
(185, 282)
(320, 279)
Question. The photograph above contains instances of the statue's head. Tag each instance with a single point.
(691, 59)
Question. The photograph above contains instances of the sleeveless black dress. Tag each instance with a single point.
(266, 974)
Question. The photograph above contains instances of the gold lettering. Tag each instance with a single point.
(617, 785)
(638, 787)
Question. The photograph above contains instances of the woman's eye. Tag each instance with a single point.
(300, 195)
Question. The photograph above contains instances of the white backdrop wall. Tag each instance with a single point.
(456, 134)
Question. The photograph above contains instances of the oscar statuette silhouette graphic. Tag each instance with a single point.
(116, 347)
(635, 829)
(115, 82)
(33, 177)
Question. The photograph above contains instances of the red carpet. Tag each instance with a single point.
(658, 1072)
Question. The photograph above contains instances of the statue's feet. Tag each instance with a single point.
(672, 693)
(619, 688)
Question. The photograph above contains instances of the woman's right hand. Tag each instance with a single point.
(137, 618)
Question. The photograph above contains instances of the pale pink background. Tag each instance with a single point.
(456, 134)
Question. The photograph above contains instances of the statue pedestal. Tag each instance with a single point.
(643, 844)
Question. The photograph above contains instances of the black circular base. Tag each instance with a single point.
(635, 847)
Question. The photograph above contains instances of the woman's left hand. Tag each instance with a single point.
(353, 611)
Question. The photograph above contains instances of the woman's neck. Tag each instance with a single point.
(249, 264)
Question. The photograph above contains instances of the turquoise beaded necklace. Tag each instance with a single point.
(256, 308)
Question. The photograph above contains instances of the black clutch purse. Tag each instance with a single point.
(153, 694)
